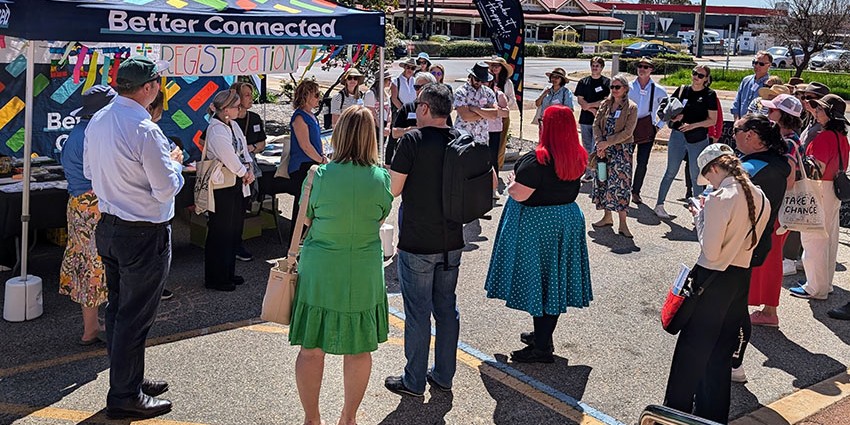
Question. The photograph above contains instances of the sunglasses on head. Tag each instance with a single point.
(760, 63)
(642, 66)
(616, 87)
(698, 74)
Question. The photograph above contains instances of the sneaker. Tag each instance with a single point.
(166, 295)
(661, 213)
(789, 267)
(434, 383)
(396, 385)
(532, 355)
(242, 254)
(758, 318)
(496, 194)
(738, 375)
(800, 292)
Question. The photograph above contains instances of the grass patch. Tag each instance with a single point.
(731, 79)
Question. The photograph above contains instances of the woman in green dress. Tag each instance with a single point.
(340, 304)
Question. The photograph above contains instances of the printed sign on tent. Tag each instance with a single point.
(211, 60)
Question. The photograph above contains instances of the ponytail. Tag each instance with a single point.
(733, 166)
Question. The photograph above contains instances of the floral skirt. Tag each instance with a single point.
(82, 276)
(614, 193)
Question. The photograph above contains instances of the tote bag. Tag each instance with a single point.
(210, 174)
(801, 208)
(283, 277)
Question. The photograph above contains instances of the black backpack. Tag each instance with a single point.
(467, 180)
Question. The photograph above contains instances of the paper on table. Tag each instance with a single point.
(679, 283)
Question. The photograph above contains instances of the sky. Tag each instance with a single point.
(753, 3)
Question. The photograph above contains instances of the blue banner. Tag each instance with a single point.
(503, 20)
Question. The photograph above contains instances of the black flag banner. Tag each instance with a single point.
(504, 22)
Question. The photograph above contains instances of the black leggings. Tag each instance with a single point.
(641, 161)
(495, 139)
(544, 327)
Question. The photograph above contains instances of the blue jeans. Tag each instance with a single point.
(677, 147)
(427, 288)
(136, 262)
(587, 137)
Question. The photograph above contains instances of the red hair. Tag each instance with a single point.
(559, 143)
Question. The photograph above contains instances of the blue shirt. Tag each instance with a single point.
(72, 160)
(296, 154)
(129, 164)
(747, 91)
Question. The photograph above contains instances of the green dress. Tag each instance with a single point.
(340, 302)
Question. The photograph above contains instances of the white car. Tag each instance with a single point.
(829, 57)
(782, 56)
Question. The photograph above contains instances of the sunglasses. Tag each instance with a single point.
(437, 73)
(616, 87)
(421, 63)
(410, 67)
(644, 67)
(418, 87)
(699, 75)
(417, 103)
(810, 97)
(760, 63)
(740, 129)
(351, 77)
(474, 78)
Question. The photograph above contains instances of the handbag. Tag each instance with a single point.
(210, 174)
(283, 277)
(801, 207)
(840, 183)
(283, 168)
(645, 130)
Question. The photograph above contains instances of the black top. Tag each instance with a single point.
(592, 90)
(697, 104)
(252, 127)
(420, 156)
(768, 171)
(549, 189)
(407, 117)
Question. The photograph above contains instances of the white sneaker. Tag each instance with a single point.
(661, 213)
(738, 375)
(496, 194)
(789, 267)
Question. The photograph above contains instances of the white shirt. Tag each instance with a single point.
(640, 96)
(219, 145)
(406, 92)
(127, 158)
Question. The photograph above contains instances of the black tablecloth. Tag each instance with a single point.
(47, 211)
(267, 184)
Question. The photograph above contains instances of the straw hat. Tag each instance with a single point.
(501, 61)
(560, 73)
(408, 62)
(353, 72)
(770, 93)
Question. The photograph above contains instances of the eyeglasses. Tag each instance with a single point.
(699, 75)
(352, 77)
(417, 103)
(644, 67)
(616, 87)
(421, 63)
(760, 63)
(409, 67)
(740, 129)
(418, 87)
(437, 73)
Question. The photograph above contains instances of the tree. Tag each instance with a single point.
(809, 24)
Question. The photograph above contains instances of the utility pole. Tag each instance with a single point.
(701, 29)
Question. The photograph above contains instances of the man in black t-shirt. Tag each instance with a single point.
(590, 92)
(429, 247)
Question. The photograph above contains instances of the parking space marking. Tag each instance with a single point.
(538, 391)
(78, 416)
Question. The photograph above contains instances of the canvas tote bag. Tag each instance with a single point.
(802, 207)
(283, 277)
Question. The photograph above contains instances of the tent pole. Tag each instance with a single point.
(28, 130)
(380, 78)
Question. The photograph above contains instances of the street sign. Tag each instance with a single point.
(665, 23)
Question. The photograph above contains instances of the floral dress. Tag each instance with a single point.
(614, 193)
(81, 275)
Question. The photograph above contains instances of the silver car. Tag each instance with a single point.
(782, 56)
(832, 59)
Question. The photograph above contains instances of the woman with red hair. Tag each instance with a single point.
(540, 263)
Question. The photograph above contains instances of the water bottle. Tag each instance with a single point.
(360, 102)
(602, 169)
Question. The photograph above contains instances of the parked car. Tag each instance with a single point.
(782, 56)
(644, 48)
(830, 59)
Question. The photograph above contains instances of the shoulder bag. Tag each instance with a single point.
(210, 174)
(840, 183)
(801, 207)
(645, 129)
(283, 277)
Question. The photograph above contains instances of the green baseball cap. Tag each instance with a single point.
(139, 70)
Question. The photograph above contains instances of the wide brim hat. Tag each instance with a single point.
(560, 73)
(481, 72)
(817, 88)
(795, 80)
(501, 61)
(647, 61)
(353, 72)
(95, 99)
(770, 93)
(408, 62)
(710, 153)
(423, 55)
(832, 104)
(786, 103)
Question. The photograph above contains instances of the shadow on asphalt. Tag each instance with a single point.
(568, 379)
(840, 328)
(606, 236)
(412, 410)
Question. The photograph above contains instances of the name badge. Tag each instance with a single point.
(411, 115)
(643, 92)
(256, 128)
(684, 102)
(617, 114)
(556, 102)
(599, 89)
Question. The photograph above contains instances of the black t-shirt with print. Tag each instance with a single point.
(592, 90)
(697, 104)
(253, 128)
(419, 155)
(549, 189)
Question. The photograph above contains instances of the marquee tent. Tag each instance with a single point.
(316, 22)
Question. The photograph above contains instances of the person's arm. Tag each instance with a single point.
(219, 144)
(511, 95)
(599, 124)
(466, 113)
(164, 175)
(519, 192)
(394, 95)
(336, 107)
(261, 136)
(397, 182)
(736, 104)
(302, 133)
(708, 122)
(486, 113)
(539, 100)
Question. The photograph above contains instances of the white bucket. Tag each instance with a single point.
(23, 299)
(387, 235)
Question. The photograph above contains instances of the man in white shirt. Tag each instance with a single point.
(475, 103)
(135, 176)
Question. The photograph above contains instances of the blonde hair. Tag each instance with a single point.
(732, 165)
(224, 99)
(354, 137)
(305, 88)
(239, 85)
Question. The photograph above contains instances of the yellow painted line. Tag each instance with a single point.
(517, 385)
(29, 367)
(79, 416)
(799, 405)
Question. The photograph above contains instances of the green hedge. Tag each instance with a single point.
(730, 79)
(566, 50)
(442, 39)
(534, 50)
(679, 57)
(662, 66)
(432, 48)
(467, 49)
(604, 55)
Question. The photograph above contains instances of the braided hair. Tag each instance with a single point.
(732, 165)
(769, 132)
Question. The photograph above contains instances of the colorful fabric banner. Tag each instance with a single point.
(503, 20)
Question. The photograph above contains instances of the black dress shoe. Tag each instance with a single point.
(532, 355)
(840, 313)
(154, 388)
(237, 280)
(225, 287)
(142, 407)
